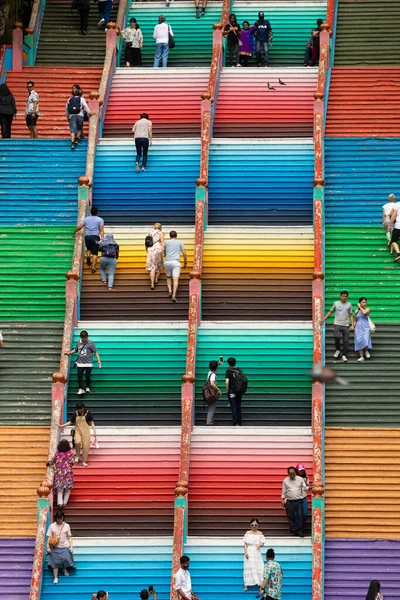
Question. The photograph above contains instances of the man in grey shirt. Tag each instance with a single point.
(293, 491)
(343, 318)
(172, 264)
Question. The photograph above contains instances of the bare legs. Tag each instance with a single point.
(172, 284)
(154, 275)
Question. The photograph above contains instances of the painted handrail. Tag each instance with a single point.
(318, 390)
(96, 103)
(208, 103)
(32, 32)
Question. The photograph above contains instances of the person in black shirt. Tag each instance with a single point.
(235, 398)
(263, 33)
(232, 32)
(316, 45)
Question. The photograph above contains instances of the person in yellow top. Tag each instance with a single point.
(82, 419)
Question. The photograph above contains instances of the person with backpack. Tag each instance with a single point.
(162, 34)
(109, 255)
(236, 387)
(8, 111)
(154, 243)
(94, 230)
(211, 391)
(75, 110)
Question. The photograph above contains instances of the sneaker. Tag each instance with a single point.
(238, 65)
(76, 459)
(137, 168)
(80, 392)
(337, 353)
(397, 258)
(88, 390)
(167, 3)
(344, 358)
(83, 32)
(84, 464)
(88, 260)
(77, 141)
(101, 22)
(203, 12)
(367, 354)
(55, 580)
(72, 146)
(66, 573)
(197, 13)
(361, 359)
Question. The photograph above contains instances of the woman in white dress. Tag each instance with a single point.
(253, 565)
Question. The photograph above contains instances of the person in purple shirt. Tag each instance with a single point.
(246, 44)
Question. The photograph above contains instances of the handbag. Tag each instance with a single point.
(75, 365)
(371, 325)
(171, 39)
(54, 540)
(94, 443)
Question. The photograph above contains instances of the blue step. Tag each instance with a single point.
(121, 567)
(217, 567)
(39, 181)
(165, 192)
(359, 175)
(261, 183)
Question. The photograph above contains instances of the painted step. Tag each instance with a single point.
(140, 395)
(357, 562)
(53, 84)
(348, 454)
(33, 274)
(285, 112)
(358, 260)
(279, 392)
(164, 193)
(224, 462)
(293, 555)
(137, 470)
(237, 192)
(374, 19)
(373, 111)
(23, 455)
(359, 175)
(193, 37)
(31, 356)
(61, 28)
(134, 91)
(133, 298)
(123, 567)
(265, 279)
(39, 181)
(291, 23)
(16, 557)
(371, 399)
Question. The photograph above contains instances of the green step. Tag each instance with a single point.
(367, 33)
(193, 37)
(372, 398)
(291, 27)
(35, 261)
(30, 357)
(141, 376)
(275, 359)
(358, 260)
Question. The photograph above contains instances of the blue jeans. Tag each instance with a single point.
(162, 51)
(111, 263)
(262, 46)
(105, 10)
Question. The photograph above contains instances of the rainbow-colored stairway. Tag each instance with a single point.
(362, 421)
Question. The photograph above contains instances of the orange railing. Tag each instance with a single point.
(97, 105)
(188, 389)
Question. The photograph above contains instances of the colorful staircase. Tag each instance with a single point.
(139, 383)
(253, 273)
(278, 391)
(53, 84)
(133, 298)
(164, 193)
(16, 557)
(61, 42)
(362, 435)
(227, 463)
(245, 183)
(137, 470)
(227, 553)
(44, 172)
(147, 90)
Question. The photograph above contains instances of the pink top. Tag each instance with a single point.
(61, 531)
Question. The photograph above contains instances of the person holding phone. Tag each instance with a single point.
(212, 378)
(150, 593)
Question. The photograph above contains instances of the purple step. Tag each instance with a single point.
(16, 557)
(351, 564)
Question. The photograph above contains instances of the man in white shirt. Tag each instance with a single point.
(183, 582)
(161, 35)
(32, 109)
(395, 219)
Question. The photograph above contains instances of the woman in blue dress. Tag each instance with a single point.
(362, 333)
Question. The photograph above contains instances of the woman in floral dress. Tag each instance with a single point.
(62, 462)
(155, 254)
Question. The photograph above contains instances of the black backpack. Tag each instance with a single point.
(239, 381)
(74, 105)
(148, 241)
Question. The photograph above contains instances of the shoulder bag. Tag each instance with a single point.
(171, 39)
(79, 354)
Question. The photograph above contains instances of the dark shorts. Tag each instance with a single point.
(395, 235)
(31, 120)
(92, 243)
